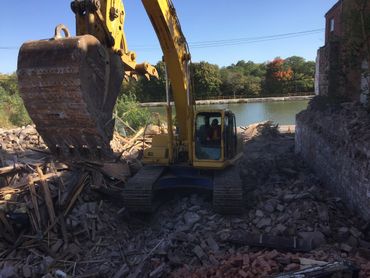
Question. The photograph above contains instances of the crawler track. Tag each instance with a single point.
(138, 192)
(228, 191)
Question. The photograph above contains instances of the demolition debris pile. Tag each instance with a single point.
(67, 219)
(20, 139)
(44, 198)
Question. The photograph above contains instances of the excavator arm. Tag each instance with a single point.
(70, 84)
(105, 21)
(177, 59)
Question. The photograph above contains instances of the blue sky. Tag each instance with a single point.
(201, 20)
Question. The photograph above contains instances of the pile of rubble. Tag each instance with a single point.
(20, 139)
(290, 222)
(289, 210)
(258, 264)
(46, 203)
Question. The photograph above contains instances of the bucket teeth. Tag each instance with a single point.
(69, 90)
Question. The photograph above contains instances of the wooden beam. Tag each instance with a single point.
(47, 195)
(35, 205)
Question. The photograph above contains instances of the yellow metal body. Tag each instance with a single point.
(105, 20)
(159, 152)
(177, 58)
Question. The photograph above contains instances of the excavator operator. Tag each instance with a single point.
(214, 135)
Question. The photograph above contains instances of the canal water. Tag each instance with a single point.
(280, 112)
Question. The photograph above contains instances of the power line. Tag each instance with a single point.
(245, 40)
(224, 42)
(251, 41)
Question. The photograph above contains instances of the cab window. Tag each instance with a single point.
(208, 136)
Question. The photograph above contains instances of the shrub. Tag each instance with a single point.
(129, 110)
(12, 110)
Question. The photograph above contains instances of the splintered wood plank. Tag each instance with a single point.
(11, 169)
(76, 192)
(47, 195)
(6, 223)
(35, 205)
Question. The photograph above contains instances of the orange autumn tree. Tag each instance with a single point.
(278, 77)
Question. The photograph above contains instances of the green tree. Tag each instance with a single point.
(146, 90)
(234, 83)
(303, 78)
(153, 89)
(245, 78)
(207, 79)
(249, 68)
(129, 110)
(132, 87)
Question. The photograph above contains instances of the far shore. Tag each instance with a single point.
(234, 101)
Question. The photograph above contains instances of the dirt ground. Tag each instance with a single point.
(289, 222)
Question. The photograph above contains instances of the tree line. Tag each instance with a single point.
(243, 79)
(280, 77)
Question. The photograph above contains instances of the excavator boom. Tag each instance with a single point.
(177, 58)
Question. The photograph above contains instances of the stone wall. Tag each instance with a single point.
(334, 139)
(329, 75)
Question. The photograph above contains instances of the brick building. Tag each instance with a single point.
(333, 134)
(333, 26)
(342, 63)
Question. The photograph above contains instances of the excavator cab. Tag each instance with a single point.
(214, 142)
(215, 139)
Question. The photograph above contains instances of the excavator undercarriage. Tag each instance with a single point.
(141, 192)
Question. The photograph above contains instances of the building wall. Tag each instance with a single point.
(355, 44)
(340, 70)
(329, 67)
(329, 76)
(317, 74)
(333, 134)
(335, 143)
(335, 14)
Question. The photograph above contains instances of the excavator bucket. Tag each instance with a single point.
(69, 86)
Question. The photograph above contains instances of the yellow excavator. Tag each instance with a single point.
(70, 85)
